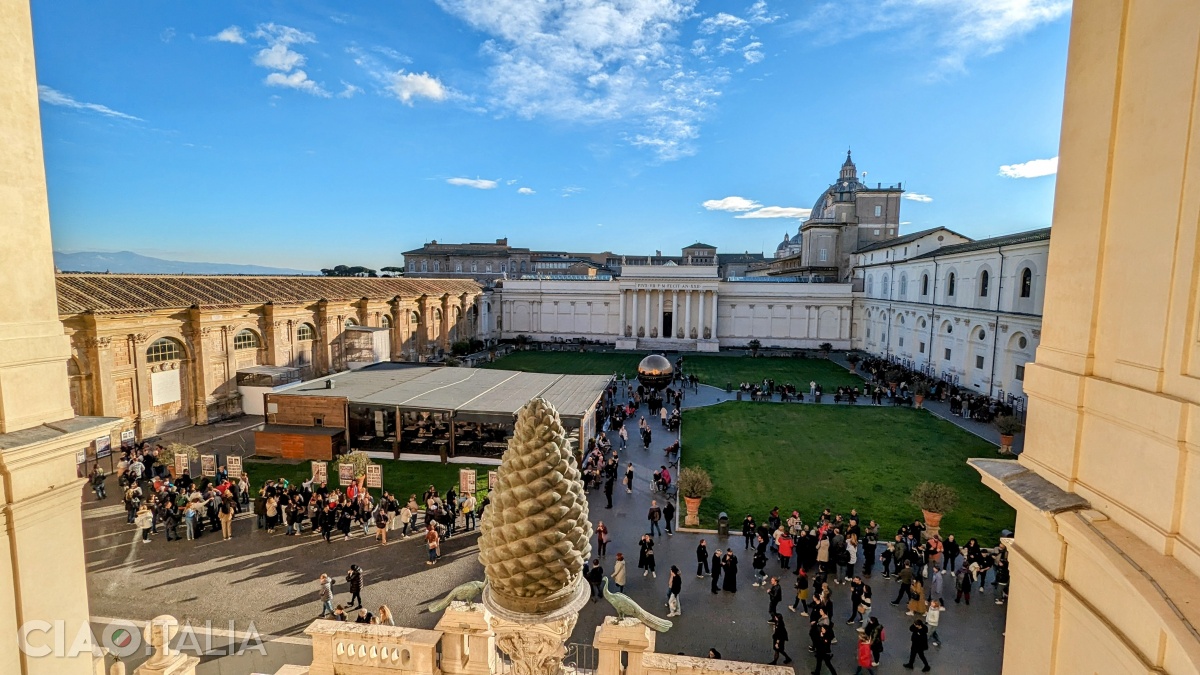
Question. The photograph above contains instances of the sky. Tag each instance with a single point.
(307, 134)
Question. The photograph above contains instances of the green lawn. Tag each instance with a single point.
(809, 457)
(399, 478)
(716, 370)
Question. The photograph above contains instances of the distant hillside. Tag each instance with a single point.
(132, 263)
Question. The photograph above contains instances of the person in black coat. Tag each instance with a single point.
(716, 571)
(595, 577)
(355, 578)
(702, 559)
(669, 517)
(774, 596)
(920, 642)
(823, 649)
(730, 565)
(779, 638)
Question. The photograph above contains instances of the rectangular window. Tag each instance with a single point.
(823, 255)
(979, 362)
(901, 342)
(947, 353)
(922, 346)
(1021, 373)
(876, 234)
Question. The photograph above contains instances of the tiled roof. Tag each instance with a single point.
(123, 293)
(906, 239)
(467, 249)
(725, 258)
(1025, 237)
(700, 245)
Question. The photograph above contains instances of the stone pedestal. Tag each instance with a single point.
(629, 343)
(708, 346)
(535, 641)
(614, 636)
(468, 643)
(165, 661)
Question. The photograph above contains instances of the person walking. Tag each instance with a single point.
(874, 630)
(618, 575)
(595, 577)
(225, 515)
(823, 649)
(919, 643)
(779, 638)
(325, 594)
(729, 565)
(669, 517)
(717, 568)
(933, 617)
(354, 577)
(774, 596)
(674, 587)
(865, 659)
(601, 538)
(654, 515)
(801, 592)
(628, 473)
(962, 585)
(702, 559)
(433, 542)
(144, 519)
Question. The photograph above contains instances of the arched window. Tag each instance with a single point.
(984, 278)
(885, 290)
(385, 321)
(924, 284)
(437, 265)
(414, 318)
(950, 284)
(350, 321)
(870, 284)
(474, 266)
(245, 339)
(1026, 282)
(522, 265)
(164, 349)
(458, 267)
(306, 332)
(488, 268)
(424, 265)
(903, 286)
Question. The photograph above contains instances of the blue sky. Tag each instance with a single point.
(307, 134)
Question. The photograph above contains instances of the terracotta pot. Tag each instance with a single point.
(1006, 444)
(920, 399)
(932, 519)
(692, 504)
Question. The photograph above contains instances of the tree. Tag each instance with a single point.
(348, 271)
(392, 271)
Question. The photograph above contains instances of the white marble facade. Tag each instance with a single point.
(683, 307)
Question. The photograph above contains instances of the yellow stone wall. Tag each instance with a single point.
(1113, 585)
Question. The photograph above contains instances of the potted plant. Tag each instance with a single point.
(754, 346)
(1008, 426)
(825, 348)
(360, 460)
(167, 455)
(893, 377)
(694, 485)
(920, 392)
(853, 359)
(935, 500)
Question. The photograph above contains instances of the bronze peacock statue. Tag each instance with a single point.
(626, 607)
(464, 593)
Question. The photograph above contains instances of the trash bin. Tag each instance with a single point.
(739, 394)
(723, 524)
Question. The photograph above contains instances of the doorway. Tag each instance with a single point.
(668, 325)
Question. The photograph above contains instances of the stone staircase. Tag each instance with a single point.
(666, 345)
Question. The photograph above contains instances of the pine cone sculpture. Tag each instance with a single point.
(535, 536)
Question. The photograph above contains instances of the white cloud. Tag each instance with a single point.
(297, 79)
(952, 31)
(753, 52)
(525, 191)
(776, 212)
(601, 61)
(1031, 169)
(278, 57)
(55, 97)
(349, 90)
(723, 22)
(409, 86)
(917, 197)
(167, 35)
(233, 34)
(571, 190)
(734, 204)
(477, 183)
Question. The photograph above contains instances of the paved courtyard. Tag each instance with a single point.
(270, 580)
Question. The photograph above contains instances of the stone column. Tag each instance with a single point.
(700, 317)
(714, 314)
(621, 310)
(646, 318)
(687, 315)
(444, 338)
(674, 313)
(660, 309)
(42, 568)
(614, 636)
(634, 319)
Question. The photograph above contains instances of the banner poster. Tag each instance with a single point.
(208, 465)
(182, 465)
(233, 464)
(466, 481)
(320, 472)
(103, 446)
(493, 480)
(345, 474)
(127, 438)
(374, 476)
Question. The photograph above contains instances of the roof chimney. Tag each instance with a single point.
(502, 242)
